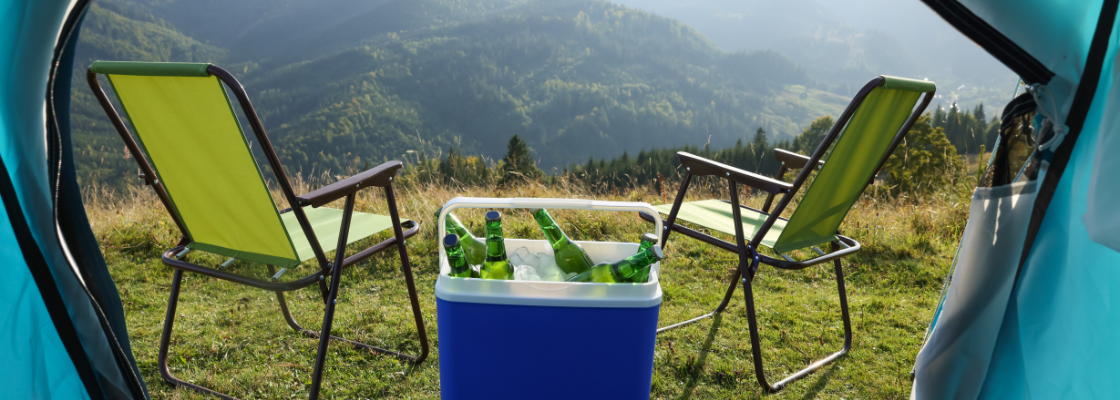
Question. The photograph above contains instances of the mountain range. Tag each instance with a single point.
(343, 84)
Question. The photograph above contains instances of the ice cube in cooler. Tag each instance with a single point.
(520, 256)
(525, 273)
(547, 269)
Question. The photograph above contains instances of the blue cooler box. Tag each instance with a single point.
(547, 340)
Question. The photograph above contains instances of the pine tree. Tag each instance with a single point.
(761, 149)
(448, 167)
(760, 139)
(938, 120)
(978, 112)
(518, 163)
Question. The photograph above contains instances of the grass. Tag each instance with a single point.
(234, 339)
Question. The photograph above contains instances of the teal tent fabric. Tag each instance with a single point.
(1065, 310)
(57, 341)
(73, 225)
(1056, 33)
(35, 361)
(1056, 338)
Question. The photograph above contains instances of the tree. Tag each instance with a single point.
(449, 166)
(761, 149)
(924, 161)
(812, 136)
(518, 163)
(760, 139)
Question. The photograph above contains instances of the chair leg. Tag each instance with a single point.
(722, 305)
(325, 336)
(165, 342)
(331, 299)
(406, 267)
(756, 344)
(173, 302)
(315, 334)
(336, 276)
(739, 234)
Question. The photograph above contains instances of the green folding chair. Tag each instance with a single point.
(864, 136)
(193, 153)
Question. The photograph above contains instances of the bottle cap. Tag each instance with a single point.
(493, 216)
(649, 237)
(450, 240)
(657, 253)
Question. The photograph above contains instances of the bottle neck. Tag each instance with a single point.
(456, 227)
(552, 232)
(495, 239)
(555, 236)
(455, 256)
(631, 265)
(625, 271)
(621, 270)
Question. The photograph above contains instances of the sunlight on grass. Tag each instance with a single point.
(234, 339)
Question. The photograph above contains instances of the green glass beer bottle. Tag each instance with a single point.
(474, 248)
(647, 241)
(570, 256)
(497, 264)
(620, 271)
(456, 258)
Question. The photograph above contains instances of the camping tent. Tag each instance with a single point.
(1030, 311)
(1035, 321)
(64, 332)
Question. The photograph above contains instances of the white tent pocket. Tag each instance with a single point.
(1102, 215)
(954, 361)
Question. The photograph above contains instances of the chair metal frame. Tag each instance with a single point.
(380, 176)
(749, 257)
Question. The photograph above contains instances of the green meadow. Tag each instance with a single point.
(234, 338)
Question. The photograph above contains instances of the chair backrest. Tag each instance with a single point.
(868, 137)
(191, 136)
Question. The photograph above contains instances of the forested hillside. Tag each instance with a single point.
(577, 78)
(585, 78)
(929, 155)
(114, 31)
(346, 84)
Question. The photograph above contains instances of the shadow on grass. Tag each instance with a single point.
(820, 383)
(698, 366)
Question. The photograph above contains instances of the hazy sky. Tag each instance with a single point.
(902, 37)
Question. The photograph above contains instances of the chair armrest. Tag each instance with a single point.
(702, 167)
(380, 175)
(792, 160)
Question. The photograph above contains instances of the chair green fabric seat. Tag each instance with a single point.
(864, 141)
(848, 157)
(326, 223)
(716, 215)
(184, 133)
(187, 126)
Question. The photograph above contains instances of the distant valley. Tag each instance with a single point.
(341, 84)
